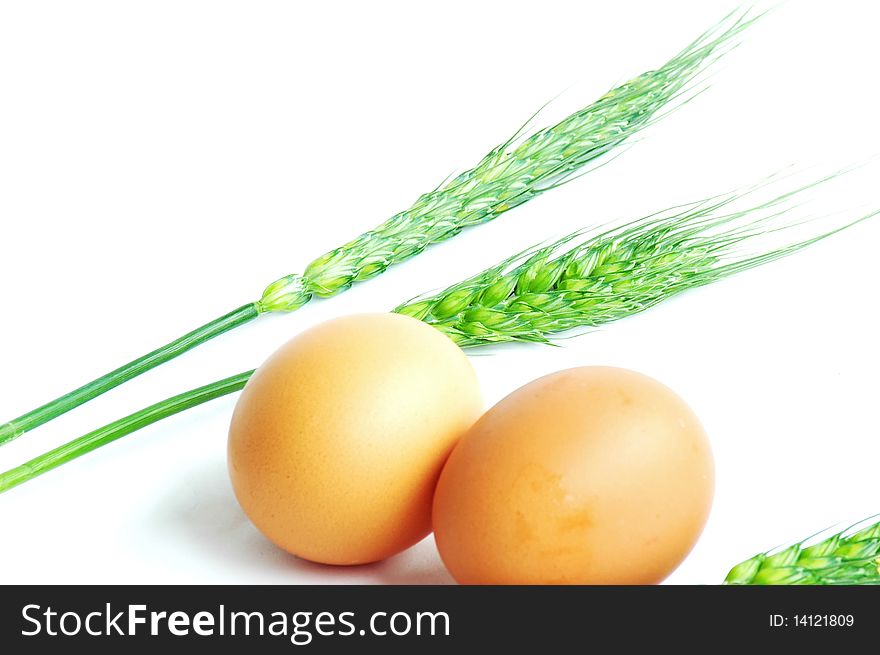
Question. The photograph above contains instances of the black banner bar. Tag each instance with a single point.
(338, 619)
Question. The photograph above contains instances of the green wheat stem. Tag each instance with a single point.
(578, 281)
(511, 174)
(850, 557)
(117, 429)
(95, 388)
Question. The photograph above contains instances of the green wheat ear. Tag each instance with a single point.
(587, 279)
(846, 558)
(512, 173)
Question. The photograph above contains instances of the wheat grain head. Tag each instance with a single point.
(512, 173)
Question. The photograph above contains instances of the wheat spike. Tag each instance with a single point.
(511, 174)
(586, 280)
(846, 558)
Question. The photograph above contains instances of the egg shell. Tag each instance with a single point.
(591, 475)
(338, 439)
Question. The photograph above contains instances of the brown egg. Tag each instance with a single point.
(338, 439)
(591, 475)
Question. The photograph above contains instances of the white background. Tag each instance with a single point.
(161, 162)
